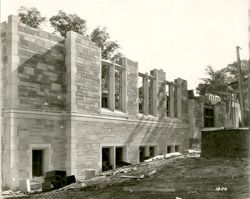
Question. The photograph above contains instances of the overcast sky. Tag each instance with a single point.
(180, 36)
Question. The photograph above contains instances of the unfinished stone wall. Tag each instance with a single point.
(132, 91)
(83, 61)
(225, 143)
(52, 101)
(33, 89)
(3, 61)
(119, 132)
(41, 72)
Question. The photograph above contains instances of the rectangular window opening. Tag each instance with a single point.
(118, 89)
(106, 159)
(37, 163)
(169, 149)
(141, 94)
(151, 151)
(119, 157)
(167, 101)
(105, 86)
(176, 148)
(142, 153)
(175, 101)
(150, 96)
(208, 116)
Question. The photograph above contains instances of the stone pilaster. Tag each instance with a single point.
(70, 62)
(132, 88)
(155, 92)
(13, 61)
(171, 100)
(145, 95)
(179, 97)
(124, 84)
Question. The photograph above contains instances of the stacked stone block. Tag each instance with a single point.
(132, 88)
(41, 72)
(52, 101)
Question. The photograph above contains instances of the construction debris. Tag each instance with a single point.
(56, 179)
(166, 156)
(133, 177)
(193, 151)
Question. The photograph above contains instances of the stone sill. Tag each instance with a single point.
(115, 113)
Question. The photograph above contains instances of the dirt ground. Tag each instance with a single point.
(184, 177)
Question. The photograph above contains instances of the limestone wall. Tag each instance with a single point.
(52, 101)
(132, 91)
(26, 132)
(118, 132)
(41, 72)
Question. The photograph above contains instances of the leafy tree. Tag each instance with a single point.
(63, 23)
(215, 83)
(101, 38)
(231, 71)
(30, 16)
(218, 80)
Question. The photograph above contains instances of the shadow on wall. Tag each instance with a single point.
(41, 77)
(163, 132)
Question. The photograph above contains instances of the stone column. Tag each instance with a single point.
(111, 87)
(171, 100)
(124, 85)
(145, 94)
(179, 97)
(155, 92)
(161, 94)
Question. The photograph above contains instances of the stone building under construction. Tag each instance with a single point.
(64, 108)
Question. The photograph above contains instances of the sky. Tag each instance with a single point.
(181, 37)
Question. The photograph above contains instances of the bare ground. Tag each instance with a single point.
(184, 177)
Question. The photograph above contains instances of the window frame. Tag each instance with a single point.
(111, 98)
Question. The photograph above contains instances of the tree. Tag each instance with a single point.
(215, 83)
(63, 23)
(109, 48)
(218, 80)
(30, 16)
(231, 71)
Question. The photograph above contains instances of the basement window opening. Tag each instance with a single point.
(176, 148)
(142, 153)
(119, 157)
(37, 163)
(169, 149)
(151, 151)
(106, 159)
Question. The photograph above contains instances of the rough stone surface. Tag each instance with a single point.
(54, 88)
(41, 72)
(87, 76)
(225, 143)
